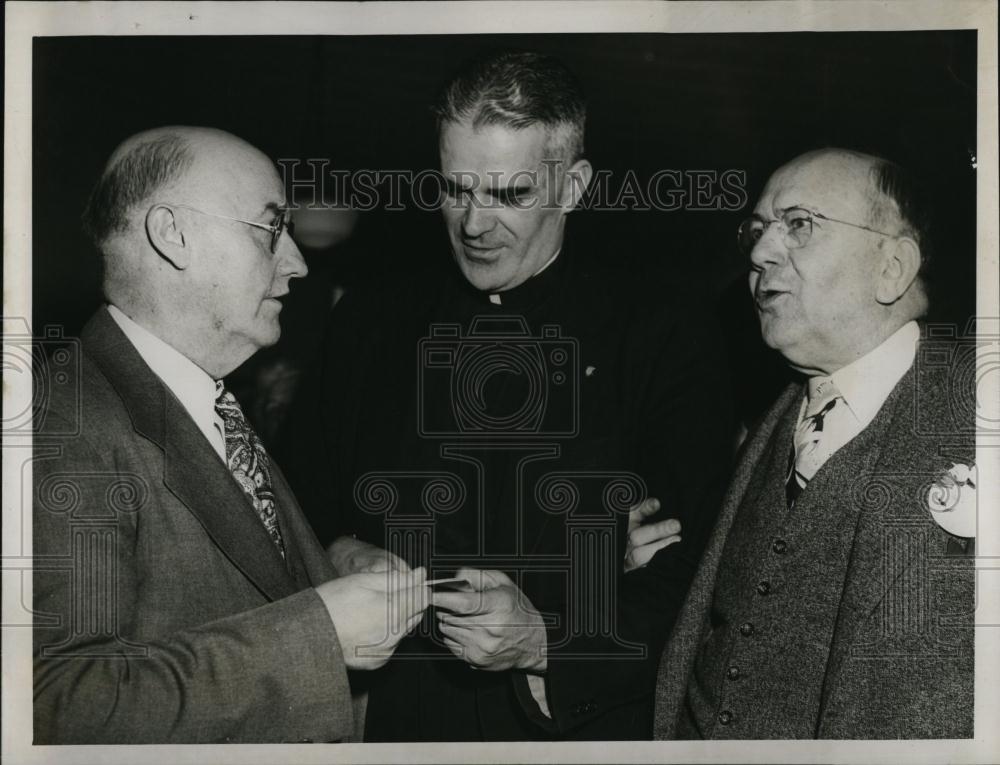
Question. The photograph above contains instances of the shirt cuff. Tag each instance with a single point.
(536, 684)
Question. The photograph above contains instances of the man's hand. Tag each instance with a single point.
(373, 612)
(644, 539)
(352, 556)
(494, 628)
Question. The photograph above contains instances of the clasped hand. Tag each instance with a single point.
(494, 628)
(372, 612)
(378, 599)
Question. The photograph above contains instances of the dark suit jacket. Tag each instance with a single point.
(651, 402)
(164, 613)
(884, 678)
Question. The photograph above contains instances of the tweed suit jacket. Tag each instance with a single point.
(164, 613)
(901, 660)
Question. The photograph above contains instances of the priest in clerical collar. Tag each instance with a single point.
(498, 422)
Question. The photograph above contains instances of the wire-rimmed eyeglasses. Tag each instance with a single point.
(797, 224)
(282, 222)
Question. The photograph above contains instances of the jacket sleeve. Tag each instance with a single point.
(682, 433)
(272, 673)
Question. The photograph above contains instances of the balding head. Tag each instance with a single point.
(184, 219)
(827, 298)
(896, 204)
(147, 165)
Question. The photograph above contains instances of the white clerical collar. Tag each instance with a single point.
(866, 383)
(191, 384)
(495, 296)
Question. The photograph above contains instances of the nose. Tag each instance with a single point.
(770, 248)
(476, 220)
(293, 265)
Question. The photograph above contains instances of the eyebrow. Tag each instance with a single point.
(797, 206)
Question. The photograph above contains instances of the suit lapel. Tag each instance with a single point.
(192, 471)
(682, 647)
(748, 464)
(882, 486)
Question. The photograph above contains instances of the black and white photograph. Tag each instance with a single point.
(501, 382)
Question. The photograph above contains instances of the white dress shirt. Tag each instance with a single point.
(191, 384)
(865, 384)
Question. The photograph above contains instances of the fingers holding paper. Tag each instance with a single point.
(494, 627)
(372, 612)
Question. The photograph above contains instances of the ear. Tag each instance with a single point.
(165, 234)
(575, 184)
(900, 265)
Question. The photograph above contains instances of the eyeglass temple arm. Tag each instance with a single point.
(255, 224)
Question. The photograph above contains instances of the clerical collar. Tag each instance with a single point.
(534, 289)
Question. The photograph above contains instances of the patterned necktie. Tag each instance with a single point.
(808, 453)
(248, 462)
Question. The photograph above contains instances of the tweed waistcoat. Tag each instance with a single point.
(760, 671)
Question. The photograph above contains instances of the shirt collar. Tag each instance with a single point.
(191, 384)
(533, 289)
(866, 383)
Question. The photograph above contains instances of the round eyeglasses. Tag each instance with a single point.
(282, 222)
(797, 224)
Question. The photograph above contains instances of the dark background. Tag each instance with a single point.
(668, 101)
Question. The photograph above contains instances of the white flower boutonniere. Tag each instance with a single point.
(952, 500)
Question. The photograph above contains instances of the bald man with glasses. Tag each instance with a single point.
(834, 599)
(180, 594)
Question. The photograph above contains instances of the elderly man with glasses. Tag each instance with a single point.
(180, 594)
(835, 598)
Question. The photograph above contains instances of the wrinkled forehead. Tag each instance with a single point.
(836, 185)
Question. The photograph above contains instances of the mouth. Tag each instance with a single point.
(766, 298)
(277, 299)
(481, 252)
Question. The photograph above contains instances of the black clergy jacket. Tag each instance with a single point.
(513, 433)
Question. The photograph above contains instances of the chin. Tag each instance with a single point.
(486, 278)
(775, 338)
(269, 336)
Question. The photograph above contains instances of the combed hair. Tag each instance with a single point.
(516, 90)
(134, 177)
(901, 199)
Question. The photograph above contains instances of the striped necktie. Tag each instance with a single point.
(808, 453)
(248, 462)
